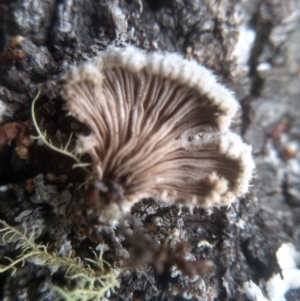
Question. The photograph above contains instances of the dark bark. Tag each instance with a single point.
(40, 190)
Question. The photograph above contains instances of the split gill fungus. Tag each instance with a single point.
(159, 129)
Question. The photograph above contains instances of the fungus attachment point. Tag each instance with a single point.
(159, 128)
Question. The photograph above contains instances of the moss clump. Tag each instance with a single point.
(87, 283)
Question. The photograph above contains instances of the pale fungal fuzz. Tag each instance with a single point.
(159, 128)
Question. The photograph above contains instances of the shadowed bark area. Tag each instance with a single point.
(253, 48)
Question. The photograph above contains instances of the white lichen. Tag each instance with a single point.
(288, 258)
(279, 284)
(3, 108)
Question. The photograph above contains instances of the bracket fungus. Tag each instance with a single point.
(159, 128)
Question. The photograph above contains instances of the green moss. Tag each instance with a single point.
(87, 283)
(63, 150)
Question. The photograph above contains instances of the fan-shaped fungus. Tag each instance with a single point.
(159, 128)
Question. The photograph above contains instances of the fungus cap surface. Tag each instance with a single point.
(159, 128)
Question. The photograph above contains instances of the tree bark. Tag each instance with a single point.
(253, 48)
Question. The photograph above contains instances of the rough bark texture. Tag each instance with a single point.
(40, 191)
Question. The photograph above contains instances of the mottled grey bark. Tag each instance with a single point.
(242, 240)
